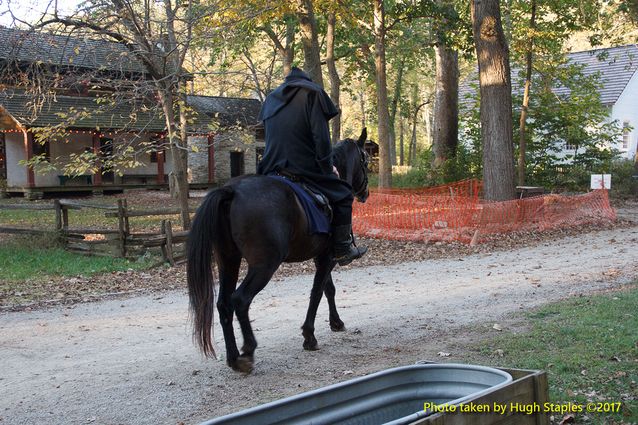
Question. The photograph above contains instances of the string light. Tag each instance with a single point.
(111, 133)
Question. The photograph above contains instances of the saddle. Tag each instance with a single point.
(315, 204)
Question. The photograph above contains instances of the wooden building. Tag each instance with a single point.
(84, 116)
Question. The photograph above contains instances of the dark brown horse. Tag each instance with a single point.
(260, 219)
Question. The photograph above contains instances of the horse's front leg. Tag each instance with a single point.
(336, 325)
(324, 265)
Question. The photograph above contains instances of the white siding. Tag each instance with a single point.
(16, 173)
(60, 151)
(626, 110)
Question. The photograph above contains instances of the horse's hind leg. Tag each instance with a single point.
(324, 265)
(256, 279)
(336, 325)
(228, 275)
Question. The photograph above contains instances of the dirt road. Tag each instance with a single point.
(132, 361)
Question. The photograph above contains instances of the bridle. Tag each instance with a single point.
(361, 193)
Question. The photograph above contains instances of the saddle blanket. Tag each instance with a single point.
(318, 221)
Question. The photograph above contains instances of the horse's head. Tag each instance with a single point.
(352, 160)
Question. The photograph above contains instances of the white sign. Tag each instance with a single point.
(600, 181)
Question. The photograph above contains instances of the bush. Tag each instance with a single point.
(624, 183)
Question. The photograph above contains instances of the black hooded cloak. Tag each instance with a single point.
(295, 117)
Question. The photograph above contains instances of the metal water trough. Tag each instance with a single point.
(390, 397)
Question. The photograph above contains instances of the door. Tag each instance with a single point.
(3, 159)
(236, 164)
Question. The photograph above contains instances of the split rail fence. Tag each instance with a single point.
(116, 241)
(451, 212)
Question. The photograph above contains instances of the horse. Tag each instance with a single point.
(259, 218)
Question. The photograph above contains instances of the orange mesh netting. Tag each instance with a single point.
(455, 213)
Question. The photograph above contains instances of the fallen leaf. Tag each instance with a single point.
(568, 419)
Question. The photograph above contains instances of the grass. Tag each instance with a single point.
(91, 217)
(33, 258)
(589, 348)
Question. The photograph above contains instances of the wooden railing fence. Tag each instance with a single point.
(118, 241)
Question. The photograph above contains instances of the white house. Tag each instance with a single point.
(618, 68)
(618, 71)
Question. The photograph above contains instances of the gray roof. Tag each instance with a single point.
(96, 116)
(616, 66)
(125, 115)
(67, 51)
(228, 111)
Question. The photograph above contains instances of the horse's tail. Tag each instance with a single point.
(201, 291)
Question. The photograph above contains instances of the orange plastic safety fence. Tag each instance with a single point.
(454, 213)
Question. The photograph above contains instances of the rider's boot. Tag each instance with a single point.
(344, 248)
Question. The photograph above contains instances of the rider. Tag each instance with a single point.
(295, 117)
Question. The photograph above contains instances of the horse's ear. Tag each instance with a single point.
(362, 139)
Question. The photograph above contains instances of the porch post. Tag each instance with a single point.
(211, 159)
(28, 149)
(160, 162)
(97, 176)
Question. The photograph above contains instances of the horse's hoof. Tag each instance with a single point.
(337, 326)
(311, 344)
(243, 364)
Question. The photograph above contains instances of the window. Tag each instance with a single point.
(570, 147)
(626, 132)
(42, 149)
(259, 154)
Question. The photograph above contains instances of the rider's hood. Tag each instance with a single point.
(282, 95)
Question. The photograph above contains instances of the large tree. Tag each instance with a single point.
(496, 100)
(159, 35)
(310, 40)
(445, 134)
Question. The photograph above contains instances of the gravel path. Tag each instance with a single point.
(133, 362)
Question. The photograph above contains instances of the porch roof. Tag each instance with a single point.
(79, 112)
(227, 111)
(86, 112)
(17, 111)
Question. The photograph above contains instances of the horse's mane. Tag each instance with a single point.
(339, 150)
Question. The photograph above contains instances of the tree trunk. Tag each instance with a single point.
(522, 142)
(445, 137)
(309, 40)
(496, 100)
(289, 48)
(178, 147)
(401, 137)
(393, 112)
(385, 165)
(335, 81)
(412, 147)
(286, 51)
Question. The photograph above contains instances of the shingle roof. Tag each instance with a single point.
(68, 51)
(616, 66)
(125, 115)
(227, 110)
(102, 116)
